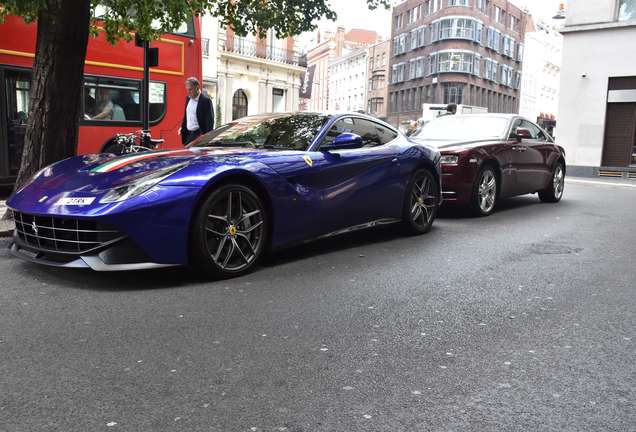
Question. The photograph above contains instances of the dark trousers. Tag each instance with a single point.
(191, 135)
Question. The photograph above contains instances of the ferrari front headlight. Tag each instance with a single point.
(139, 185)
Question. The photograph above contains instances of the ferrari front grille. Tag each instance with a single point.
(63, 234)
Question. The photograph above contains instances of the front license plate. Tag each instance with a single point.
(68, 201)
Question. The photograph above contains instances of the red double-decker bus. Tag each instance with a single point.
(112, 75)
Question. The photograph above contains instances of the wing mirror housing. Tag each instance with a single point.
(345, 140)
(522, 133)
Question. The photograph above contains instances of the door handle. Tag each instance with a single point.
(394, 160)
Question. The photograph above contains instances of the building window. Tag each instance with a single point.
(490, 69)
(397, 73)
(626, 10)
(239, 104)
(493, 38)
(457, 2)
(205, 47)
(454, 61)
(375, 105)
(514, 23)
(453, 93)
(519, 55)
(508, 46)
(399, 44)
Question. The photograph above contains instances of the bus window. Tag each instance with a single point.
(157, 100)
(111, 99)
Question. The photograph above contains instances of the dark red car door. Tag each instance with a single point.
(528, 160)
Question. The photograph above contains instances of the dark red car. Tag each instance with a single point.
(490, 156)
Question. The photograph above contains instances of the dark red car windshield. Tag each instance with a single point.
(464, 128)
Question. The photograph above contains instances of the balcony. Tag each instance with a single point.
(259, 49)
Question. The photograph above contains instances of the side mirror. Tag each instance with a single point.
(345, 140)
(521, 134)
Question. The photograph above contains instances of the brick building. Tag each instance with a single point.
(328, 48)
(378, 73)
(455, 51)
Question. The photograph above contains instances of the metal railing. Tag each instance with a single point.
(252, 48)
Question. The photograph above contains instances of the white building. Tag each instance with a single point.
(348, 82)
(249, 75)
(539, 96)
(597, 103)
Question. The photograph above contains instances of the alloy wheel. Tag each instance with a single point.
(234, 230)
(558, 182)
(423, 201)
(487, 191)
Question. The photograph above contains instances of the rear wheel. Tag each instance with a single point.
(485, 192)
(554, 191)
(229, 232)
(421, 203)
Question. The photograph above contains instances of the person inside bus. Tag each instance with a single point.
(106, 108)
(198, 116)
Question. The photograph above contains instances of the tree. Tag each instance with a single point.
(64, 27)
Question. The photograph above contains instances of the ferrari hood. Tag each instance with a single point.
(100, 172)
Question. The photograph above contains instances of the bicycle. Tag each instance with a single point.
(135, 142)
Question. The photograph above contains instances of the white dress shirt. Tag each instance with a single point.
(191, 114)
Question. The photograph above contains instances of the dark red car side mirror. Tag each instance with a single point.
(521, 133)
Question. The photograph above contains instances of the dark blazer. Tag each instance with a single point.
(205, 116)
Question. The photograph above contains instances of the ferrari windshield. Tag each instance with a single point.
(272, 131)
(464, 128)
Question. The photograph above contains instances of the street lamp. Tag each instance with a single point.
(560, 13)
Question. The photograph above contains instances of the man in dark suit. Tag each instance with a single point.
(198, 116)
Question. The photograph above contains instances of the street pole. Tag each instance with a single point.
(145, 107)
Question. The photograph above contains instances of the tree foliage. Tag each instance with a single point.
(121, 18)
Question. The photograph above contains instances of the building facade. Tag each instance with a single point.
(249, 75)
(377, 74)
(539, 97)
(455, 51)
(597, 102)
(348, 82)
(329, 47)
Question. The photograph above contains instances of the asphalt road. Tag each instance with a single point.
(522, 321)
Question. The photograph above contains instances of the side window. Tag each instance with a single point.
(119, 100)
(534, 131)
(372, 133)
(341, 126)
(110, 99)
(515, 125)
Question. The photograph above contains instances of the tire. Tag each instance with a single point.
(229, 233)
(485, 192)
(115, 148)
(420, 203)
(554, 192)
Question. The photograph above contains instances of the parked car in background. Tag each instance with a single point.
(490, 156)
(260, 182)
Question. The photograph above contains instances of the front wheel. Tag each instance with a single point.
(554, 192)
(421, 203)
(485, 192)
(229, 232)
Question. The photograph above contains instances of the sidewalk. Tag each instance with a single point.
(6, 227)
(602, 181)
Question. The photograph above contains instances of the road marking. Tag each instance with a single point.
(602, 183)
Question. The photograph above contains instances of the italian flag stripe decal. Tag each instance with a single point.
(121, 162)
